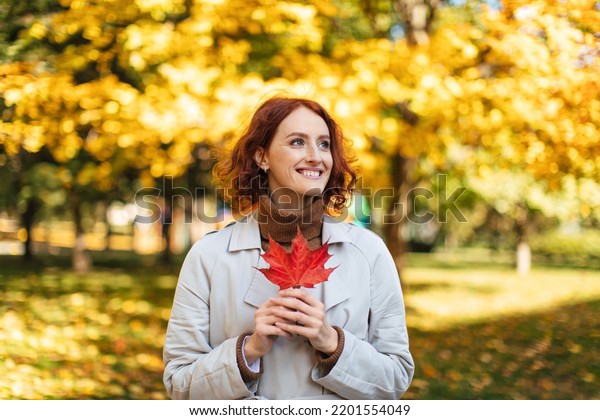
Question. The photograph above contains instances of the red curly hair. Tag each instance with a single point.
(244, 181)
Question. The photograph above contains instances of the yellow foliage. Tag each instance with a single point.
(152, 87)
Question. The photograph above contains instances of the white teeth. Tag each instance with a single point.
(310, 173)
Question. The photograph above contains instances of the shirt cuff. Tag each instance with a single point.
(254, 367)
(248, 375)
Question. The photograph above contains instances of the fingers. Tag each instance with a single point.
(303, 314)
(293, 317)
(299, 300)
(268, 326)
(294, 312)
(302, 295)
(287, 307)
(265, 320)
(268, 331)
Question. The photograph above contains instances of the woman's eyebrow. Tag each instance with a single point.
(297, 134)
(304, 135)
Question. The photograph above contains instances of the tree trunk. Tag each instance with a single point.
(167, 221)
(399, 208)
(81, 260)
(27, 219)
(418, 17)
(402, 169)
(102, 216)
(523, 254)
(523, 258)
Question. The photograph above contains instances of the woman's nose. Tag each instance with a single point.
(313, 154)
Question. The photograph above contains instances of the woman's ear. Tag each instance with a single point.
(259, 158)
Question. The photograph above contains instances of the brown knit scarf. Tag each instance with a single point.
(282, 224)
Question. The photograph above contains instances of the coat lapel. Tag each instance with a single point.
(260, 288)
(246, 236)
(334, 291)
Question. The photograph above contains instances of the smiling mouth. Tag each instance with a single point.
(310, 173)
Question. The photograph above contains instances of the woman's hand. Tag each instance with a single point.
(304, 315)
(265, 332)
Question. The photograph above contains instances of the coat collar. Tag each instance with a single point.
(246, 236)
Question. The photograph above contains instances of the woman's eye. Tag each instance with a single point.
(324, 144)
(297, 142)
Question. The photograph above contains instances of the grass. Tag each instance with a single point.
(487, 333)
(98, 335)
(477, 330)
(547, 355)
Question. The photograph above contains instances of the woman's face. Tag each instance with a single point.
(299, 159)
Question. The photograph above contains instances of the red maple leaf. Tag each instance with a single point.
(301, 267)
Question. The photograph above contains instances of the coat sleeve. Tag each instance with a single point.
(194, 369)
(380, 367)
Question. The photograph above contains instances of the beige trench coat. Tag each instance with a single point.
(219, 290)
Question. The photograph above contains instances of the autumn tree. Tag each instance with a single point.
(118, 91)
(507, 99)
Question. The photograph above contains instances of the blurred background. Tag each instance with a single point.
(476, 128)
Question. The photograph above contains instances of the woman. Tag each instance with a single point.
(232, 334)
